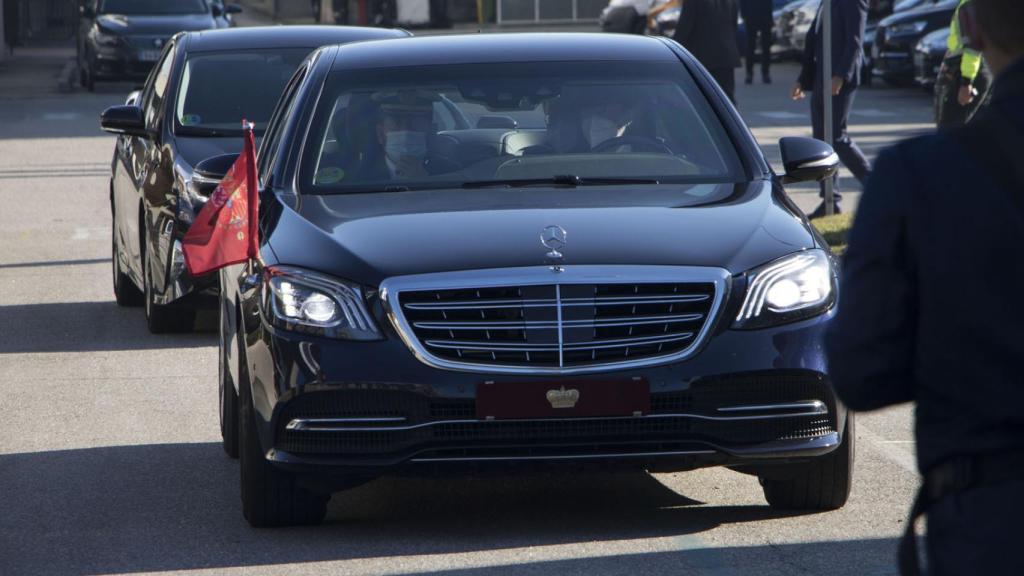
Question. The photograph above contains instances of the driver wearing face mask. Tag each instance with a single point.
(579, 128)
(405, 121)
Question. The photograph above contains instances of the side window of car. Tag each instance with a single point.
(156, 91)
(272, 137)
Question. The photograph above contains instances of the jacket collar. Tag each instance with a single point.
(1010, 83)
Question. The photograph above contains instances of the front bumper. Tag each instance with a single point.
(369, 408)
(120, 65)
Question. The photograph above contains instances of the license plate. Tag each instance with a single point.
(563, 399)
(149, 55)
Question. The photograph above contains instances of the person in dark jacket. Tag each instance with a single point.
(929, 311)
(849, 18)
(707, 28)
(757, 17)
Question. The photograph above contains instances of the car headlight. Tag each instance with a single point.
(915, 27)
(788, 289)
(105, 39)
(303, 301)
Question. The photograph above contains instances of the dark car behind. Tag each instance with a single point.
(928, 55)
(896, 37)
(191, 108)
(122, 39)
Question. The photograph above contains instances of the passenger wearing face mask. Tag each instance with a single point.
(404, 124)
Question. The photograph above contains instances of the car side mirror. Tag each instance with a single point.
(216, 10)
(125, 120)
(233, 8)
(505, 122)
(807, 160)
(206, 175)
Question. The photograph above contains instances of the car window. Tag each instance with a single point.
(591, 119)
(218, 90)
(156, 89)
(272, 139)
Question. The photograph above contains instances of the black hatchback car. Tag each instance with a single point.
(611, 275)
(122, 39)
(191, 108)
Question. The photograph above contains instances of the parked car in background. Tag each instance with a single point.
(626, 16)
(928, 56)
(619, 281)
(191, 108)
(896, 37)
(224, 13)
(791, 26)
(122, 39)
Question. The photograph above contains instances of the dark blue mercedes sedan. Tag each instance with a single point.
(520, 250)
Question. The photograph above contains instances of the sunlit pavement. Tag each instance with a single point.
(109, 446)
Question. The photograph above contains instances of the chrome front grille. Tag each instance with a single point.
(537, 320)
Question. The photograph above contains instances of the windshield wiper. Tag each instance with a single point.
(571, 180)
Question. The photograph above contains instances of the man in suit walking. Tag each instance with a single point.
(848, 20)
(757, 16)
(707, 28)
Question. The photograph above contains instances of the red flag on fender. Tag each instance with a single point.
(225, 230)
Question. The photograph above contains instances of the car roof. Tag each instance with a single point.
(284, 37)
(495, 48)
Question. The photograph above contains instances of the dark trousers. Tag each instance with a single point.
(849, 153)
(977, 531)
(764, 29)
(726, 78)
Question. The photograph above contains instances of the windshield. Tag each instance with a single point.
(153, 7)
(219, 90)
(514, 124)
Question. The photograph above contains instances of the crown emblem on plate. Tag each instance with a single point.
(562, 398)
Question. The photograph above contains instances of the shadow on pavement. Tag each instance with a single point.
(86, 327)
(176, 507)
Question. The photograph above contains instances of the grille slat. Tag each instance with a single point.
(551, 302)
(559, 326)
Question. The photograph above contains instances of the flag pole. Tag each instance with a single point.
(826, 93)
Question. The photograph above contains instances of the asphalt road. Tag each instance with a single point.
(110, 460)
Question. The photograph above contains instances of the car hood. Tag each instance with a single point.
(368, 238)
(194, 150)
(128, 25)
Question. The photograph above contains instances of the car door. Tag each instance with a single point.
(143, 159)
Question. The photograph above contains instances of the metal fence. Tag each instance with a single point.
(42, 21)
(553, 11)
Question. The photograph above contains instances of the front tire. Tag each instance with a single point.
(270, 496)
(823, 484)
(126, 293)
(162, 319)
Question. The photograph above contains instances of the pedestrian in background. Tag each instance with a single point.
(963, 79)
(848, 20)
(930, 313)
(757, 17)
(708, 28)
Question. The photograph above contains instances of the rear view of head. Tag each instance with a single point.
(1000, 26)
